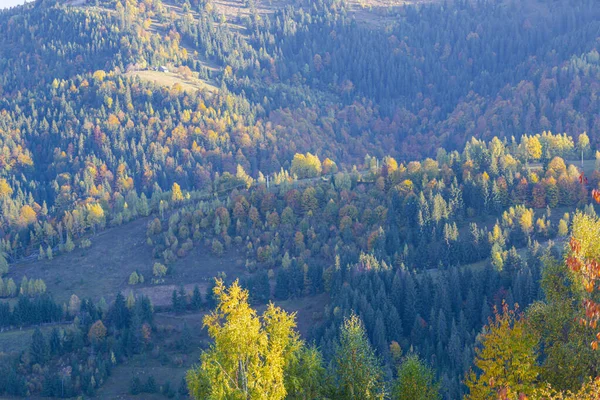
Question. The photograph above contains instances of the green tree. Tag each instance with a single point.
(39, 350)
(358, 371)
(134, 278)
(159, 270)
(415, 381)
(3, 265)
(196, 301)
(568, 358)
(306, 377)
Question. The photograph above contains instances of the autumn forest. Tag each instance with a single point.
(300, 199)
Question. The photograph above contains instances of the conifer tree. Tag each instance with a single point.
(39, 351)
(358, 371)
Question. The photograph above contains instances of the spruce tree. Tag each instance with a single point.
(38, 351)
(357, 370)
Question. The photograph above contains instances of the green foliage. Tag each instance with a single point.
(96, 142)
(306, 377)
(357, 369)
(565, 342)
(3, 265)
(134, 278)
(415, 381)
(39, 351)
(159, 270)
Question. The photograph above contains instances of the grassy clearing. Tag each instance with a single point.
(16, 341)
(169, 79)
(103, 269)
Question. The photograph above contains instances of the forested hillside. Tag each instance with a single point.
(299, 200)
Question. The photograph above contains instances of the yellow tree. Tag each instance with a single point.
(249, 355)
(584, 260)
(95, 215)
(27, 215)
(176, 194)
(5, 189)
(583, 143)
(589, 391)
(306, 166)
(507, 359)
(533, 148)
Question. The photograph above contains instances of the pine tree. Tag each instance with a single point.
(55, 343)
(306, 376)
(118, 314)
(358, 372)
(38, 351)
(3, 265)
(282, 290)
(196, 302)
(175, 301)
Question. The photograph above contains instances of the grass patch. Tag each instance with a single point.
(17, 340)
(169, 79)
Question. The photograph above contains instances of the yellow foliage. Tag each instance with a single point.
(247, 348)
(27, 215)
(24, 159)
(306, 165)
(5, 189)
(99, 75)
(586, 231)
(176, 194)
(589, 391)
(95, 214)
(533, 147)
(113, 121)
(507, 359)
